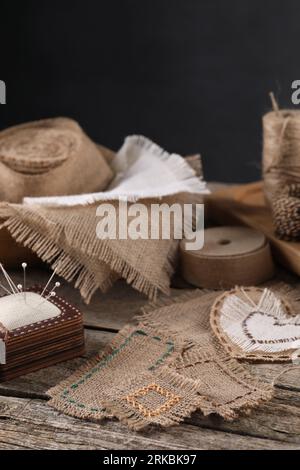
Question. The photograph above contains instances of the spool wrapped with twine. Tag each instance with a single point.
(281, 169)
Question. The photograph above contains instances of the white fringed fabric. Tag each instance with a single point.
(143, 170)
(262, 326)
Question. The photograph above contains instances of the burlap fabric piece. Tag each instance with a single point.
(50, 157)
(66, 238)
(162, 370)
(258, 324)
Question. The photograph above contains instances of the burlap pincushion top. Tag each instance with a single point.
(50, 157)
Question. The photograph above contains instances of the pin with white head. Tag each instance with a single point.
(24, 266)
(14, 289)
(52, 293)
(51, 277)
(20, 289)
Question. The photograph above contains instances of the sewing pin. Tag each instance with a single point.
(4, 288)
(51, 277)
(24, 266)
(52, 293)
(9, 280)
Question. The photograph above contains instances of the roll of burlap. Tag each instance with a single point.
(50, 157)
(231, 256)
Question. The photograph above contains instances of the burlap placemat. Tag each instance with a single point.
(162, 370)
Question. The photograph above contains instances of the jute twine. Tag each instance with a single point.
(281, 168)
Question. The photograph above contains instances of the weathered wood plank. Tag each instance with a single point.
(274, 420)
(279, 419)
(290, 380)
(115, 309)
(35, 385)
(30, 424)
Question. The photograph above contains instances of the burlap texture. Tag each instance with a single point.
(162, 370)
(50, 157)
(66, 238)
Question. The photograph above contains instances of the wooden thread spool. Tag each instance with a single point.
(231, 256)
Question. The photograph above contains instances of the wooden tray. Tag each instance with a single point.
(246, 205)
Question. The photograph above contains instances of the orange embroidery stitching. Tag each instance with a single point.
(171, 400)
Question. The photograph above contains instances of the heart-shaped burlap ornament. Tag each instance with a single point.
(258, 324)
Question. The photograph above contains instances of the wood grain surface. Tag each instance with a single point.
(26, 422)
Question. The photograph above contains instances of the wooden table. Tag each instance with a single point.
(26, 422)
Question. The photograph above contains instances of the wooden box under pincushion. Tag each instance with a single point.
(37, 332)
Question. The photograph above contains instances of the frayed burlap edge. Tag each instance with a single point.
(135, 419)
(192, 401)
(72, 409)
(69, 268)
(288, 296)
(259, 392)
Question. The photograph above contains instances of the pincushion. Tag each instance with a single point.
(16, 312)
(37, 329)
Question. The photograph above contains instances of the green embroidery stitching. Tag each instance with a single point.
(108, 359)
(160, 360)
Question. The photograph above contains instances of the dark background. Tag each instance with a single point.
(193, 75)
